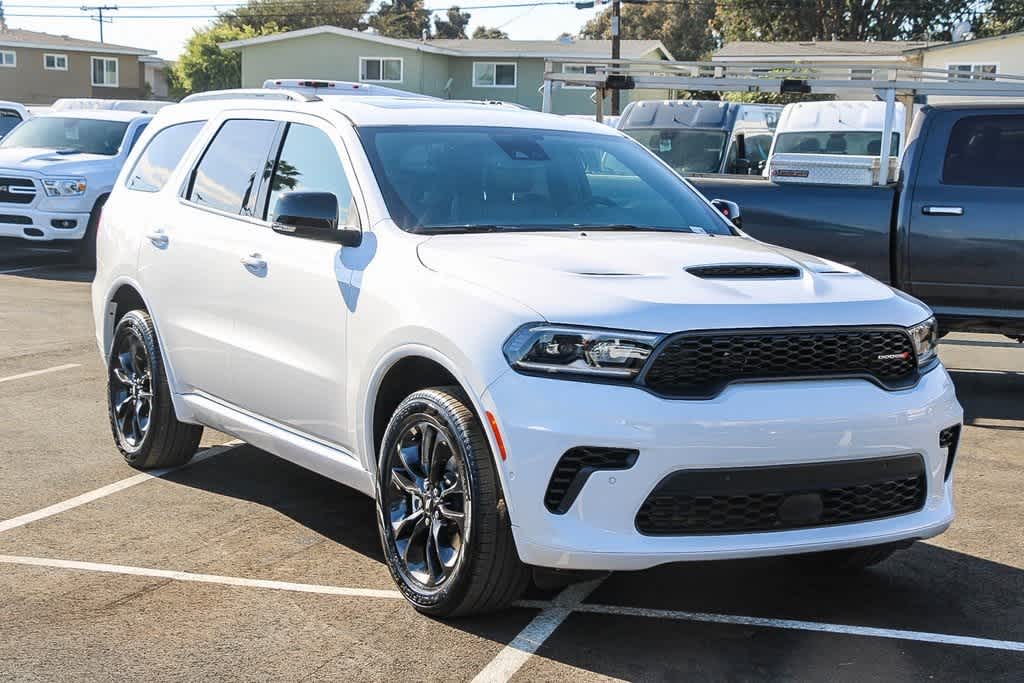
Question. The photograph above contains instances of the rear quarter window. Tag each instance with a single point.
(985, 151)
(161, 156)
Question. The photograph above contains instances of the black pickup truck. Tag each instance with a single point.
(950, 231)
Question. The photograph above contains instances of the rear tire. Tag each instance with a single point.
(142, 419)
(845, 561)
(442, 517)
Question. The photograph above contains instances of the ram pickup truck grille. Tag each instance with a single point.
(777, 498)
(700, 364)
(17, 190)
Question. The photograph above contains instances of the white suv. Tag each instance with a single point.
(524, 335)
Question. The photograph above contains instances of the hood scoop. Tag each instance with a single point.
(746, 271)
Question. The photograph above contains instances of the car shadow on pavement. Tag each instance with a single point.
(58, 272)
(990, 394)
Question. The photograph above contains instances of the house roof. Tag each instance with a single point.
(578, 49)
(746, 49)
(16, 37)
(973, 41)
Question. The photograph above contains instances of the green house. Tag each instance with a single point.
(509, 70)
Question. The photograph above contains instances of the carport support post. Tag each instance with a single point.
(883, 154)
(545, 97)
(599, 100)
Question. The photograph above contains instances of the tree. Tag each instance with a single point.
(401, 19)
(288, 15)
(684, 28)
(493, 33)
(1003, 16)
(841, 19)
(454, 26)
(204, 66)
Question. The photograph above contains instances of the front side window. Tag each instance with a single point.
(756, 147)
(308, 163)
(494, 74)
(686, 150)
(985, 151)
(380, 69)
(104, 72)
(857, 143)
(162, 154)
(55, 62)
(8, 120)
(461, 179)
(69, 135)
(228, 176)
(8, 58)
(960, 72)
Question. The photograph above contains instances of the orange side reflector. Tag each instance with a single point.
(497, 435)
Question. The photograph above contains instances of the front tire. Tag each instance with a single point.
(142, 419)
(442, 517)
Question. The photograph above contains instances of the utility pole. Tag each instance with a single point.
(616, 49)
(100, 9)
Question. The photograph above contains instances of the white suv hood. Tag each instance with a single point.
(632, 280)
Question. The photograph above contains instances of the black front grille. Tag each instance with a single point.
(575, 467)
(724, 501)
(701, 364)
(17, 191)
(737, 272)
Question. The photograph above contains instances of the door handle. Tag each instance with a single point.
(158, 237)
(943, 210)
(254, 263)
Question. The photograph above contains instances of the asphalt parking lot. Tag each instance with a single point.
(244, 566)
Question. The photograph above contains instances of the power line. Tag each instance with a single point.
(99, 9)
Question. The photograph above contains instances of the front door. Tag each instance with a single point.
(292, 316)
(966, 248)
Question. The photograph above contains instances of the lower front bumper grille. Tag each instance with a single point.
(778, 498)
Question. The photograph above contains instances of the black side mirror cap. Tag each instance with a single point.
(730, 210)
(313, 215)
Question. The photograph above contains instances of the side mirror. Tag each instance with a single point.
(730, 210)
(313, 215)
(741, 166)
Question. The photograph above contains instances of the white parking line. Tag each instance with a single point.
(45, 371)
(104, 491)
(795, 625)
(200, 578)
(515, 654)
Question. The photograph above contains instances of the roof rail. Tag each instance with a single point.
(249, 94)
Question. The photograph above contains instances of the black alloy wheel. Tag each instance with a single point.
(131, 389)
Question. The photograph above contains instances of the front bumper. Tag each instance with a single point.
(751, 425)
(36, 224)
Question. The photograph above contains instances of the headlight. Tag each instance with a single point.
(64, 187)
(555, 349)
(925, 338)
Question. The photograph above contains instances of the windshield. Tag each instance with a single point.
(91, 136)
(441, 178)
(686, 150)
(863, 143)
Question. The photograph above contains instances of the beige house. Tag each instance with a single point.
(38, 68)
(981, 58)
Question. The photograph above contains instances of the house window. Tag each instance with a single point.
(981, 72)
(55, 62)
(590, 69)
(494, 74)
(8, 58)
(380, 69)
(861, 74)
(104, 72)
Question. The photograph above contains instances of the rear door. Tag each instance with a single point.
(189, 260)
(966, 251)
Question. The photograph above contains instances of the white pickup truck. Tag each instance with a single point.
(56, 171)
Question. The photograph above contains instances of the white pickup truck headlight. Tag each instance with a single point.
(925, 337)
(567, 350)
(64, 187)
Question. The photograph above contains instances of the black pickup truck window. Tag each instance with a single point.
(985, 151)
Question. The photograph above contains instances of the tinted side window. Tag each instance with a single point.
(985, 151)
(308, 163)
(162, 154)
(228, 176)
(136, 135)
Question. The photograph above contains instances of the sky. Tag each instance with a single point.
(146, 23)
